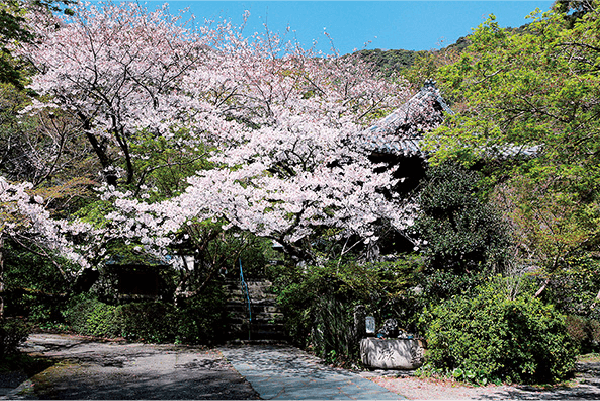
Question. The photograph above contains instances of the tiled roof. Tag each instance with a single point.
(401, 131)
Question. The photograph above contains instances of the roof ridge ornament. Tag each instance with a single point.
(430, 83)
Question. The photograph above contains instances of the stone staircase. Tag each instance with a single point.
(267, 319)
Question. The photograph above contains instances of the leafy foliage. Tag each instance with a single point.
(584, 332)
(388, 62)
(574, 289)
(199, 320)
(13, 332)
(427, 63)
(533, 92)
(499, 337)
(461, 235)
(318, 301)
(88, 316)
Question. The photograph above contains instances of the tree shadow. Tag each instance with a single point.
(19, 367)
(285, 360)
(84, 368)
(583, 391)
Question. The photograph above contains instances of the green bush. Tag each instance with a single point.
(150, 321)
(198, 320)
(319, 316)
(203, 318)
(33, 285)
(463, 238)
(13, 332)
(487, 335)
(88, 316)
(574, 288)
(318, 302)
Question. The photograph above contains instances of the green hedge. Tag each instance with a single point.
(88, 316)
(489, 336)
(200, 320)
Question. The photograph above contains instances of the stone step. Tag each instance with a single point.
(256, 318)
(262, 308)
(241, 331)
(253, 301)
(266, 315)
(258, 342)
(261, 326)
(243, 310)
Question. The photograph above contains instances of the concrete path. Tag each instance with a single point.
(284, 372)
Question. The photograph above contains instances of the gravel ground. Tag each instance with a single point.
(585, 385)
(87, 369)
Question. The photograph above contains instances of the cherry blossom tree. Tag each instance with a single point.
(289, 166)
(265, 136)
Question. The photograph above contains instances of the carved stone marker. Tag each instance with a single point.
(370, 325)
(393, 353)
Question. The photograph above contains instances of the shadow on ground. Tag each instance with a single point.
(582, 392)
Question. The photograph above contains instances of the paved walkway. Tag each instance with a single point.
(86, 369)
(284, 372)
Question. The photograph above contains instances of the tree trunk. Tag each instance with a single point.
(181, 293)
(542, 288)
(1, 276)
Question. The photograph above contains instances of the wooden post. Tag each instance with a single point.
(359, 322)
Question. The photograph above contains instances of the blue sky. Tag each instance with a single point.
(414, 25)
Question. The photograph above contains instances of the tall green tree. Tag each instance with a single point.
(528, 104)
(463, 239)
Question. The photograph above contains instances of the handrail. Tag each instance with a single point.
(245, 289)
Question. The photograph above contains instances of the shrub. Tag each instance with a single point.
(150, 321)
(463, 237)
(318, 302)
(88, 316)
(574, 288)
(33, 285)
(203, 318)
(584, 332)
(314, 312)
(13, 332)
(492, 336)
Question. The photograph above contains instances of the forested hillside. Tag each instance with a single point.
(402, 60)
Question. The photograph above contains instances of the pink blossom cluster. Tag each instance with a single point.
(23, 216)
